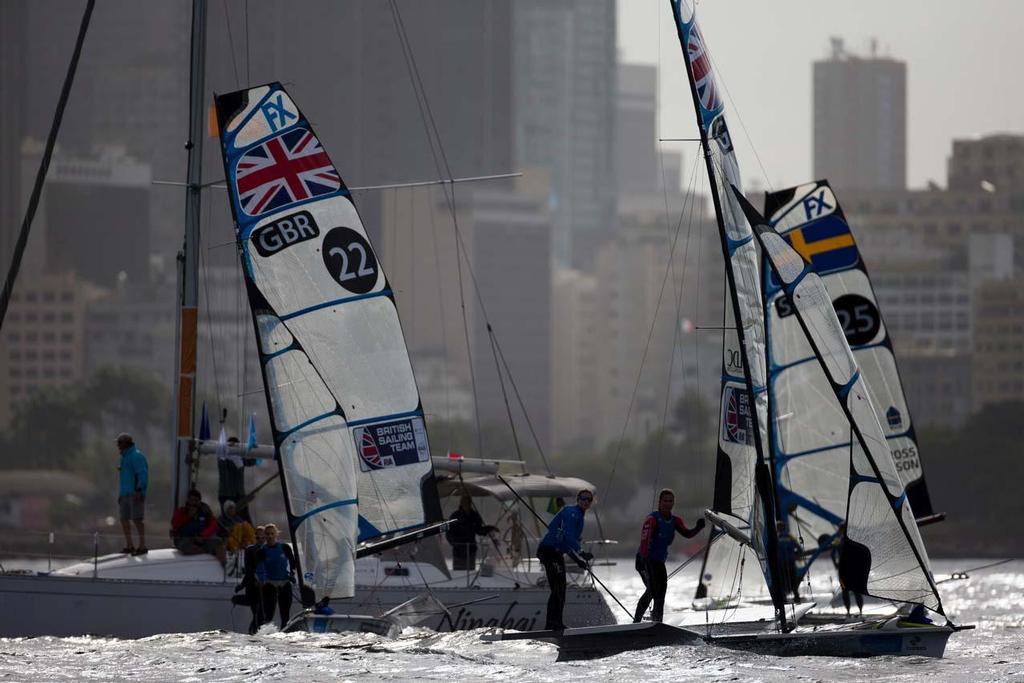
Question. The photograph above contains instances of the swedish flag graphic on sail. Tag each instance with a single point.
(827, 243)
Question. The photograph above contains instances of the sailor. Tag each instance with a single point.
(658, 532)
(252, 580)
(278, 562)
(836, 554)
(466, 525)
(194, 528)
(131, 495)
(563, 537)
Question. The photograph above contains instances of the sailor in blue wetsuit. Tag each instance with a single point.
(563, 537)
(659, 531)
(278, 563)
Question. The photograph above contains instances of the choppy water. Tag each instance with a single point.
(991, 599)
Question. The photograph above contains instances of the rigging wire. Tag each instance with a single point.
(519, 400)
(231, 42)
(643, 359)
(444, 171)
(539, 519)
(44, 163)
(504, 394)
(444, 318)
(675, 333)
(440, 158)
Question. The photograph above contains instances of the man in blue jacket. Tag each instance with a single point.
(563, 537)
(131, 496)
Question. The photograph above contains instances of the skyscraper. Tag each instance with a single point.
(565, 67)
(860, 121)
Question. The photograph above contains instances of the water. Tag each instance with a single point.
(992, 599)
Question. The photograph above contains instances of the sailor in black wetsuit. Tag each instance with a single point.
(659, 531)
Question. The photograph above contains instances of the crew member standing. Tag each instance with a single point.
(131, 495)
(657, 535)
(563, 537)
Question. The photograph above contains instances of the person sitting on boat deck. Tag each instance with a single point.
(466, 525)
(836, 553)
(656, 536)
(563, 537)
(131, 494)
(194, 528)
(237, 533)
(231, 476)
(278, 562)
(252, 581)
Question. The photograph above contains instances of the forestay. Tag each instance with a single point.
(883, 554)
(811, 433)
(345, 410)
(743, 407)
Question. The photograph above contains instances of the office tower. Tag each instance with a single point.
(860, 120)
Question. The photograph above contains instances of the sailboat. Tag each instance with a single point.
(345, 411)
(810, 430)
(882, 553)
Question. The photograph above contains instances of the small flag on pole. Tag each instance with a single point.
(452, 455)
(204, 425)
(250, 441)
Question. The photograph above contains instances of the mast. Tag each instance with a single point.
(762, 474)
(186, 338)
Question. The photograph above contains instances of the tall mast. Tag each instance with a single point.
(188, 257)
(762, 476)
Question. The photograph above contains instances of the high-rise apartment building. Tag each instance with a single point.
(564, 71)
(860, 121)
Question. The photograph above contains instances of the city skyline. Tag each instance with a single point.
(949, 54)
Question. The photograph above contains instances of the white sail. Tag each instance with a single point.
(345, 409)
(883, 554)
(744, 401)
(812, 221)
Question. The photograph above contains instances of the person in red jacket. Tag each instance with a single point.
(194, 528)
(658, 532)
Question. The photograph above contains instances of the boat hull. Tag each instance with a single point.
(604, 641)
(131, 608)
(922, 641)
(344, 623)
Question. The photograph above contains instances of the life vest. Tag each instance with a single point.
(275, 562)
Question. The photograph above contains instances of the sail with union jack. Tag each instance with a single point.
(287, 169)
(333, 357)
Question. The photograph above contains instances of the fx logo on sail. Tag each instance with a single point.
(817, 205)
(276, 113)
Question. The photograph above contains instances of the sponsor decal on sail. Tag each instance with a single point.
(391, 444)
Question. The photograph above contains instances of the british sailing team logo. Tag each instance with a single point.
(391, 444)
(737, 422)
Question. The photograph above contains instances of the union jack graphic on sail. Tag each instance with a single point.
(284, 170)
(702, 74)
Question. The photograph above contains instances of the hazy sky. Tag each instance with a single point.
(964, 63)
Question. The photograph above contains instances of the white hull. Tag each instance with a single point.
(120, 604)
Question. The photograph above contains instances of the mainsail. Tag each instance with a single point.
(883, 554)
(810, 429)
(744, 401)
(345, 411)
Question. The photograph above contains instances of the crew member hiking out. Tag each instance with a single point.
(563, 537)
(658, 532)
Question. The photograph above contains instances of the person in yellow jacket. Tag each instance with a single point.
(238, 534)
